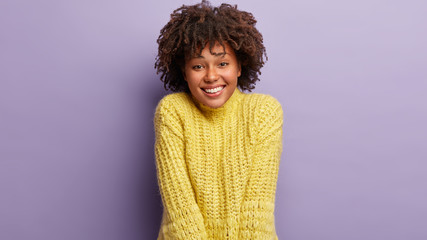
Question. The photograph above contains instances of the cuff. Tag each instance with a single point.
(257, 220)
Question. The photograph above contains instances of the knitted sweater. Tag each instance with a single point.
(217, 168)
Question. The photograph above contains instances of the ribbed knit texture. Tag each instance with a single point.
(217, 168)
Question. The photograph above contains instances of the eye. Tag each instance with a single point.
(197, 67)
(223, 64)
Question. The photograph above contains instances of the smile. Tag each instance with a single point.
(213, 91)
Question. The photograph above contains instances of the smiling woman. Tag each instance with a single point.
(217, 149)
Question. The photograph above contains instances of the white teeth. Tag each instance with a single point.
(214, 90)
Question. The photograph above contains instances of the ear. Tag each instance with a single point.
(239, 72)
(183, 73)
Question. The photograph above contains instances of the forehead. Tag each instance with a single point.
(216, 50)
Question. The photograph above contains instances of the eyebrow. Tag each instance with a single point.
(215, 54)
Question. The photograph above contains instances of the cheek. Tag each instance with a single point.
(233, 75)
(191, 81)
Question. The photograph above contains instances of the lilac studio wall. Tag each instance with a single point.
(78, 92)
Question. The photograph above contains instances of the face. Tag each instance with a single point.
(212, 78)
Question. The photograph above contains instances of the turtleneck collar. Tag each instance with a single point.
(231, 103)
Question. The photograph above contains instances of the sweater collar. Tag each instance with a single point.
(231, 103)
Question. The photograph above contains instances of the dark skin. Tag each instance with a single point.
(191, 28)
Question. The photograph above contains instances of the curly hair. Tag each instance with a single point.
(192, 27)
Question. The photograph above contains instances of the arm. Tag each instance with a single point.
(257, 210)
(184, 219)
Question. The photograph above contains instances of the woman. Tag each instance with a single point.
(217, 149)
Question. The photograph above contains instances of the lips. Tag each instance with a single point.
(213, 89)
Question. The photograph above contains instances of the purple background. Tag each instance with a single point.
(78, 92)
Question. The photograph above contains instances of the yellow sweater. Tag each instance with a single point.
(217, 168)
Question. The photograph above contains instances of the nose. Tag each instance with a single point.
(211, 75)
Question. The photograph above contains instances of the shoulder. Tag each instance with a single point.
(174, 99)
(267, 115)
(173, 103)
(169, 113)
(263, 104)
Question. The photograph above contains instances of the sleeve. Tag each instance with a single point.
(184, 219)
(257, 209)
